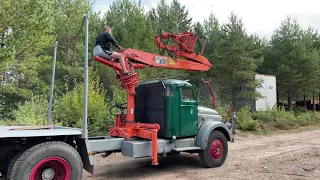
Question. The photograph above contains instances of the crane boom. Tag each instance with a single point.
(184, 48)
(182, 57)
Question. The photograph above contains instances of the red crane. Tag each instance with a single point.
(125, 126)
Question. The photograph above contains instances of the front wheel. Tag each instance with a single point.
(216, 151)
(49, 161)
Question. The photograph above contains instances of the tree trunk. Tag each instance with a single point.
(290, 100)
(313, 104)
(278, 97)
(304, 101)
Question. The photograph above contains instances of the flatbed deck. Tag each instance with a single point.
(37, 131)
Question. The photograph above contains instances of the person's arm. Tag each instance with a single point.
(112, 40)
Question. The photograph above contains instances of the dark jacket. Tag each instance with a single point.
(104, 39)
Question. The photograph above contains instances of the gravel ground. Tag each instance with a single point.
(278, 156)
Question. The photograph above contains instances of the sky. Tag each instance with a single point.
(260, 17)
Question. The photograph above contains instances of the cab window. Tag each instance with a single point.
(187, 94)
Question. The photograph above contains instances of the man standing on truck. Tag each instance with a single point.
(102, 48)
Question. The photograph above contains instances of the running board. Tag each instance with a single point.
(185, 149)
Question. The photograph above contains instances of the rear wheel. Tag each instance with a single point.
(215, 154)
(48, 161)
(13, 160)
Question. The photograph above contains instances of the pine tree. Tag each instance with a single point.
(238, 59)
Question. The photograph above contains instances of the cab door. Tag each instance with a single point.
(188, 112)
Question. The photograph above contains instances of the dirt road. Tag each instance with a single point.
(277, 156)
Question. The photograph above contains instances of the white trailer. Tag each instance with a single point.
(268, 89)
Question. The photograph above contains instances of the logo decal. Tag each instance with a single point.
(161, 60)
(172, 62)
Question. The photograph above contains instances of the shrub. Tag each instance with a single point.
(305, 119)
(245, 121)
(263, 116)
(317, 118)
(225, 113)
(69, 109)
(284, 120)
(32, 112)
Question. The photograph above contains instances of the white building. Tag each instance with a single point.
(268, 89)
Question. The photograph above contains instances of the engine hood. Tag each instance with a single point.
(207, 111)
(208, 114)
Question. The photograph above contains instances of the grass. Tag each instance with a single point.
(288, 131)
(273, 121)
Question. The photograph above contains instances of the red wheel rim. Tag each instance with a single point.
(216, 149)
(51, 168)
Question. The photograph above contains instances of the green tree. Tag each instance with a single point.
(210, 29)
(69, 32)
(25, 30)
(129, 25)
(283, 58)
(172, 17)
(238, 59)
(310, 64)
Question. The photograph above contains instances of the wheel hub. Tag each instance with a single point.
(48, 174)
(51, 168)
(216, 149)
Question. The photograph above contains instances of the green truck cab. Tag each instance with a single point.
(174, 106)
(170, 103)
(184, 125)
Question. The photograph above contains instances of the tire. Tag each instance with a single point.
(49, 157)
(13, 160)
(215, 154)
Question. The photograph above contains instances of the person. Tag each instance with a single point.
(102, 48)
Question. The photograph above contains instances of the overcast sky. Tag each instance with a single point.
(259, 16)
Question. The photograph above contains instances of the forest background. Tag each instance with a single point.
(29, 29)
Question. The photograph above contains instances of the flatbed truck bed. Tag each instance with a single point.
(35, 131)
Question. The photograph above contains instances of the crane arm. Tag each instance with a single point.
(184, 48)
(125, 125)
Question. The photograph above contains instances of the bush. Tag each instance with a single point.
(69, 109)
(225, 113)
(284, 119)
(32, 112)
(317, 118)
(305, 119)
(245, 120)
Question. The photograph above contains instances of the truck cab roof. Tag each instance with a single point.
(166, 82)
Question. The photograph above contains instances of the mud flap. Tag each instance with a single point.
(84, 150)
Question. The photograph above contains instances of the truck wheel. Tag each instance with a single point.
(49, 160)
(13, 160)
(216, 151)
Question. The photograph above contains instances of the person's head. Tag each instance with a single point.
(107, 29)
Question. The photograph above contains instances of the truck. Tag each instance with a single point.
(161, 117)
